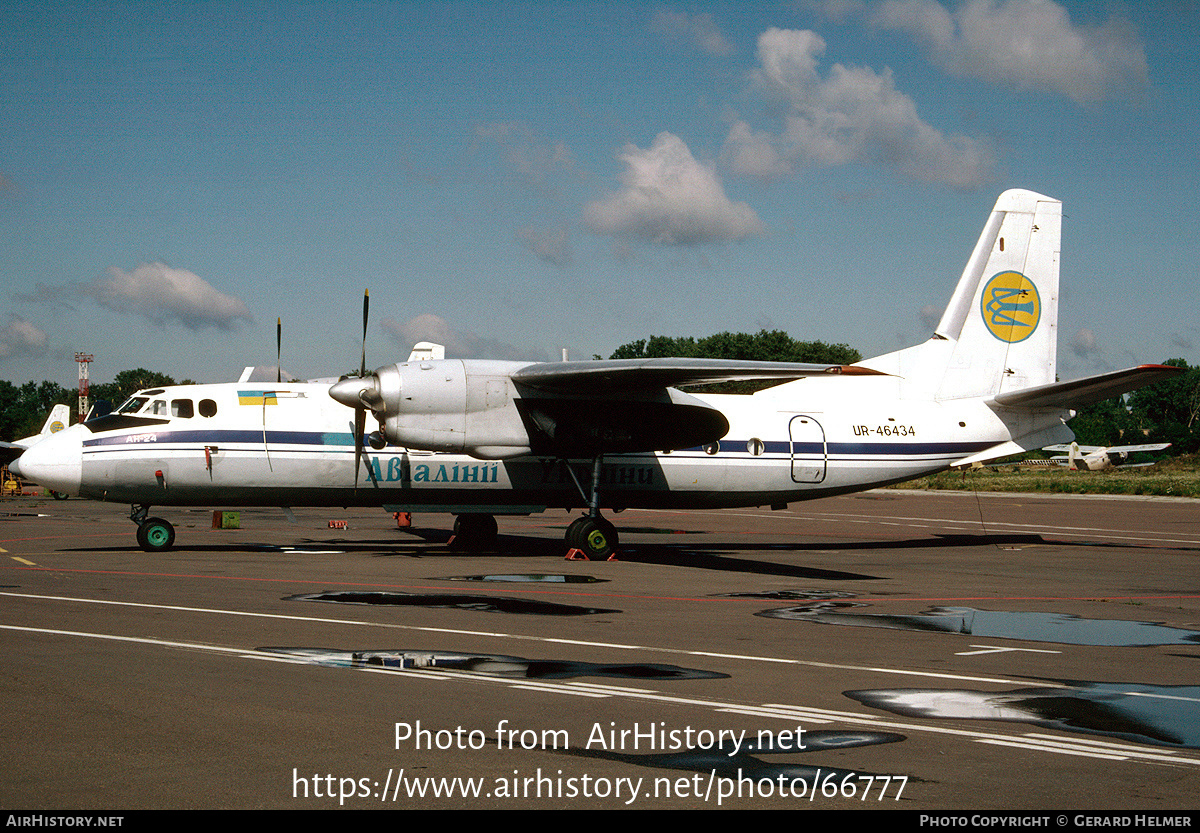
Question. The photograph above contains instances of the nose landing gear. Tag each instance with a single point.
(153, 534)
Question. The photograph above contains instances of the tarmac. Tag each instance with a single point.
(892, 649)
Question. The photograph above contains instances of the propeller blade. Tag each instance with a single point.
(366, 307)
(360, 424)
(278, 350)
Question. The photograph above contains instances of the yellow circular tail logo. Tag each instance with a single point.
(1011, 307)
(56, 426)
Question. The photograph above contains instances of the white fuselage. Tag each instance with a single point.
(292, 445)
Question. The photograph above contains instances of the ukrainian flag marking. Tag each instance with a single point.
(257, 397)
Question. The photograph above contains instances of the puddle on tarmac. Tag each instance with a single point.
(495, 665)
(309, 550)
(487, 604)
(732, 760)
(789, 595)
(1030, 626)
(530, 577)
(1162, 715)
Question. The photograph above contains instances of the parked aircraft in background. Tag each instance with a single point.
(481, 438)
(60, 418)
(1097, 458)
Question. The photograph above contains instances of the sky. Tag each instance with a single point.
(515, 179)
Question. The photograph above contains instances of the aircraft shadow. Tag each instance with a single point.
(705, 555)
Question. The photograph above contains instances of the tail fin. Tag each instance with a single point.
(60, 418)
(1004, 313)
(1000, 330)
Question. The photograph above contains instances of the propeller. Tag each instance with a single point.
(278, 350)
(363, 393)
(360, 394)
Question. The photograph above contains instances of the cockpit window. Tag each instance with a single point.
(132, 405)
(159, 406)
(181, 408)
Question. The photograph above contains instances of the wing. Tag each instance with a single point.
(629, 405)
(1129, 449)
(602, 377)
(495, 409)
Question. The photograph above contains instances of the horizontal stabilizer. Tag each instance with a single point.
(598, 377)
(1080, 392)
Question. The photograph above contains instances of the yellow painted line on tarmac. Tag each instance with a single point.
(22, 560)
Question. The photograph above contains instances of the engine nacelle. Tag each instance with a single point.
(453, 405)
(476, 407)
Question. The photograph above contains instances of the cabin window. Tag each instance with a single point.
(755, 446)
(208, 408)
(712, 448)
(181, 408)
(132, 405)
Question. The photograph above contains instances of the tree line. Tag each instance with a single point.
(763, 346)
(24, 408)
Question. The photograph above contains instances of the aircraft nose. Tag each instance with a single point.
(56, 462)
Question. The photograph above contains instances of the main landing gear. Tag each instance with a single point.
(593, 536)
(153, 534)
(474, 531)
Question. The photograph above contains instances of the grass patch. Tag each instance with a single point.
(1177, 477)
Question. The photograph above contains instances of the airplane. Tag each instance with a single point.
(60, 418)
(480, 438)
(1099, 458)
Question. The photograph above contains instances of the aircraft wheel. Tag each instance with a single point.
(58, 495)
(594, 537)
(475, 531)
(574, 535)
(155, 535)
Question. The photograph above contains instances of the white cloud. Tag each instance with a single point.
(754, 153)
(1032, 43)
(20, 338)
(851, 115)
(699, 30)
(668, 197)
(162, 293)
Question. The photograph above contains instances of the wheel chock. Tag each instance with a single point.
(576, 554)
(403, 519)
